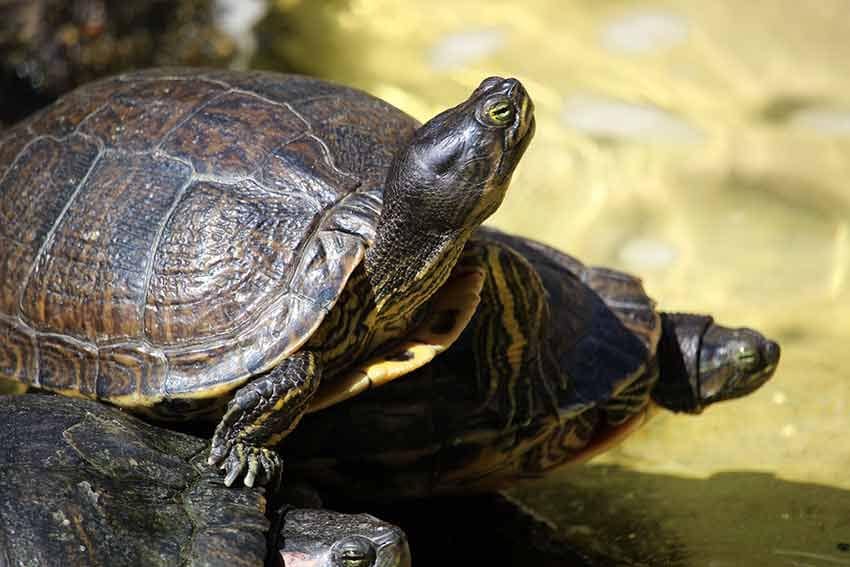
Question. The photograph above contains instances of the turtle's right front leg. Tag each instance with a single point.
(262, 413)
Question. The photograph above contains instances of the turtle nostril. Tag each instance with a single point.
(770, 352)
(514, 89)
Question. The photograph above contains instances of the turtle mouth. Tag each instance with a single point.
(515, 143)
(521, 134)
(743, 387)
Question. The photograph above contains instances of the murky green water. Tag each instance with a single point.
(706, 147)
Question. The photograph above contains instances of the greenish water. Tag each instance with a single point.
(706, 147)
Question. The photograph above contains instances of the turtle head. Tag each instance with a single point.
(454, 172)
(701, 362)
(323, 538)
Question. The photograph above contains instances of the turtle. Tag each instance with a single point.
(560, 362)
(87, 484)
(210, 244)
(324, 538)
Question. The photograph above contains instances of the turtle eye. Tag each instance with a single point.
(354, 551)
(746, 357)
(500, 112)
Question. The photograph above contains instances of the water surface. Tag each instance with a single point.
(704, 146)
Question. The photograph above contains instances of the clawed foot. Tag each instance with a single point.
(260, 414)
(260, 465)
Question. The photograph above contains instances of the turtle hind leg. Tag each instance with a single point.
(262, 413)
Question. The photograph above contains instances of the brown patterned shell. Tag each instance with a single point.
(608, 328)
(173, 232)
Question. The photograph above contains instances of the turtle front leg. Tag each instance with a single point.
(262, 413)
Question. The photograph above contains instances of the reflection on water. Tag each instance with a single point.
(705, 146)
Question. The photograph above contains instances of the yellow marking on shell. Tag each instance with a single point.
(629, 379)
(12, 387)
(124, 359)
(460, 294)
(213, 390)
(494, 454)
(615, 436)
(517, 341)
(70, 393)
(134, 401)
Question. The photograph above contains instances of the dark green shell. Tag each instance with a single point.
(172, 233)
(86, 484)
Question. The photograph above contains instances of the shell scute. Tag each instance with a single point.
(131, 374)
(67, 365)
(361, 133)
(138, 115)
(89, 280)
(607, 329)
(66, 114)
(625, 296)
(33, 195)
(12, 143)
(331, 256)
(304, 166)
(230, 361)
(226, 252)
(293, 89)
(18, 360)
(215, 137)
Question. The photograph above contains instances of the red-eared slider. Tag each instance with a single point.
(85, 484)
(324, 538)
(174, 239)
(559, 363)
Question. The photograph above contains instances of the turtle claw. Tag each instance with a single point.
(259, 464)
(217, 455)
(251, 475)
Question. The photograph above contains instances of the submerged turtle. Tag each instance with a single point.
(560, 362)
(174, 239)
(87, 484)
